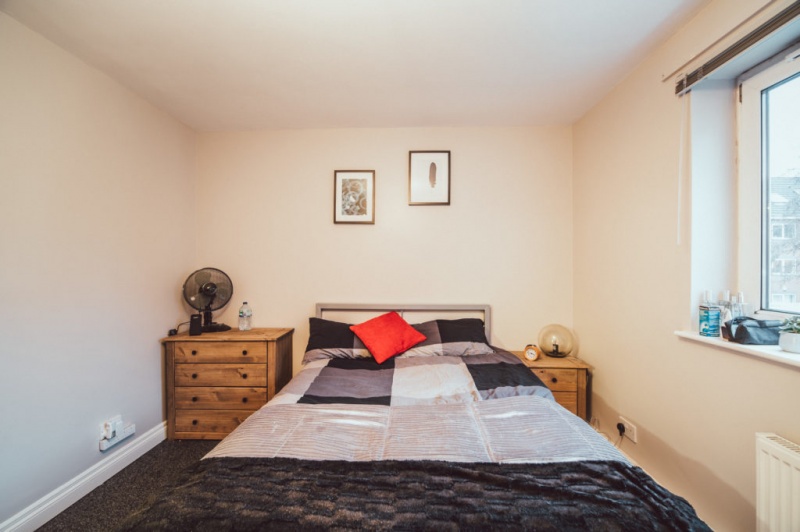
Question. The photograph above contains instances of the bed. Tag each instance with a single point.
(447, 433)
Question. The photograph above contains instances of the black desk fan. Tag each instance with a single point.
(207, 290)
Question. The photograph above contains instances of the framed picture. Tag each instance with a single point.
(429, 178)
(354, 196)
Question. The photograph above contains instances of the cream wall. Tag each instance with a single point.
(96, 234)
(697, 408)
(265, 211)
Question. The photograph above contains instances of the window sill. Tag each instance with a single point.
(772, 353)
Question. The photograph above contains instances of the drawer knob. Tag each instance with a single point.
(194, 375)
(244, 375)
(244, 352)
(194, 399)
(194, 422)
(554, 380)
(244, 399)
(194, 352)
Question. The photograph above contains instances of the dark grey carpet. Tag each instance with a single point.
(110, 503)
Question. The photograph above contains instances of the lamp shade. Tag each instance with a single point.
(556, 340)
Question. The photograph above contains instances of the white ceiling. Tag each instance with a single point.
(253, 64)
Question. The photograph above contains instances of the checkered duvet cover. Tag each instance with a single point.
(413, 380)
(473, 408)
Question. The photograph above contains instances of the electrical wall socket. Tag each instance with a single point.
(630, 429)
(111, 427)
(114, 431)
(120, 435)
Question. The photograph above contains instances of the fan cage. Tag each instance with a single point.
(208, 290)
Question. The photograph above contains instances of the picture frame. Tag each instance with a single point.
(354, 196)
(429, 177)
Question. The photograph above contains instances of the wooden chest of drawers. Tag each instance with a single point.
(216, 380)
(566, 377)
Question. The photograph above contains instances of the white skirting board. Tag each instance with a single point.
(61, 498)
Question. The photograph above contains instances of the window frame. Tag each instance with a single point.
(755, 229)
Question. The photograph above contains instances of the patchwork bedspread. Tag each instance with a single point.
(414, 380)
(512, 429)
(475, 408)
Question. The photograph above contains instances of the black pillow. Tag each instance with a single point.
(461, 337)
(332, 339)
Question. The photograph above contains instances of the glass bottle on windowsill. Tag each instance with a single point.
(709, 316)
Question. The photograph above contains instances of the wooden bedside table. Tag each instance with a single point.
(216, 380)
(566, 377)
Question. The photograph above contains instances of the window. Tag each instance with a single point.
(783, 267)
(769, 175)
(781, 298)
(783, 231)
(746, 90)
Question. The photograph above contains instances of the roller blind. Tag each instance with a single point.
(763, 32)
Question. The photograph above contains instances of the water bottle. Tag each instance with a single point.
(245, 317)
(709, 317)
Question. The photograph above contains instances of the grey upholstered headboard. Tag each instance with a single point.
(358, 312)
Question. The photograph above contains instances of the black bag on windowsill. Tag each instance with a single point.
(746, 330)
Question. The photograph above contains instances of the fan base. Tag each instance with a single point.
(216, 327)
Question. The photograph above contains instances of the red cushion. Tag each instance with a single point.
(387, 335)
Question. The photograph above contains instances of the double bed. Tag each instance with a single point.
(452, 433)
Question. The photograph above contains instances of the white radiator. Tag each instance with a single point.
(777, 484)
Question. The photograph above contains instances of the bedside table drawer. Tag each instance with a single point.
(558, 379)
(219, 398)
(210, 421)
(220, 375)
(568, 400)
(232, 352)
(567, 378)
